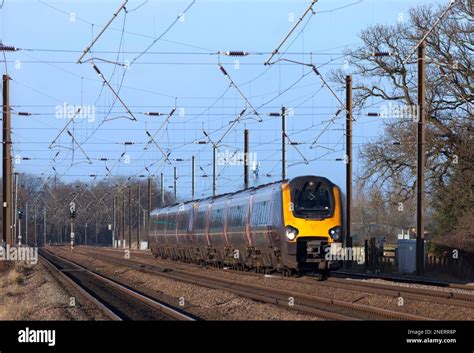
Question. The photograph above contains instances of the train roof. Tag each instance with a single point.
(209, 198)
(248, 190)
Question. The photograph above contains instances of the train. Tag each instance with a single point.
(286, 226)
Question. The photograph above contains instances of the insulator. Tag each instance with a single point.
(236, 53)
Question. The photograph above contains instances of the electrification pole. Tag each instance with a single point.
(192, 178)
(282, 115)
(213, 170)
(138, 217)
(246, 158)
(162, 185)
(44, 225)
(16, 231)
(113, 221)
(130, 217)
(26, 223)
(348, 240)
(7, 165)
(36, 234)
(283, 143)
(175, 186)
(123, 218)
(85, 234)
(149, 197)
(420, 172)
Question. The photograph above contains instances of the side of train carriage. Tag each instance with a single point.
(285, 226)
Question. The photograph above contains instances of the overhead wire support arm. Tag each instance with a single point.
(209, 138)
(79, 145)
(161, 126)
(240, 92)
(276, 50)
(429, 31)
(325, 128)
(152, 137)
(316, 71)
(232, 125)
(165, 155)
(113, 91)
(64, 128)
(204, 174)
(88, 48)
(294, 145)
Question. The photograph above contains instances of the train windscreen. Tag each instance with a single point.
(312, 198)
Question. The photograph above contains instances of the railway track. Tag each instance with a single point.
(321, 307)
(116, 300)
(421, 294)
(77, 289)
(426, 282)
(391, 290)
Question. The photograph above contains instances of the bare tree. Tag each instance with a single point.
(385, 80)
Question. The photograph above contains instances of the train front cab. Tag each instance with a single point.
(312, 213)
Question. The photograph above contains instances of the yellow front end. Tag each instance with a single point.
(310, 227)
(309, 237)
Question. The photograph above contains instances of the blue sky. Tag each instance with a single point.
(181, 70)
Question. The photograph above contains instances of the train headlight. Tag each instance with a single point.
(291, 232)
(335, 233)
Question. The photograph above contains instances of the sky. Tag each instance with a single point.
(180, 72)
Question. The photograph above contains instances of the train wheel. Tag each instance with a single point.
(322, 275)
(299, 273)
(269, 271)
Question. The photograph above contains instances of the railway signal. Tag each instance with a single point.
(72, 207)
(72, 216)
(20, 214)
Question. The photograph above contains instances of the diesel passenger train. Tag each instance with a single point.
(284, 226)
